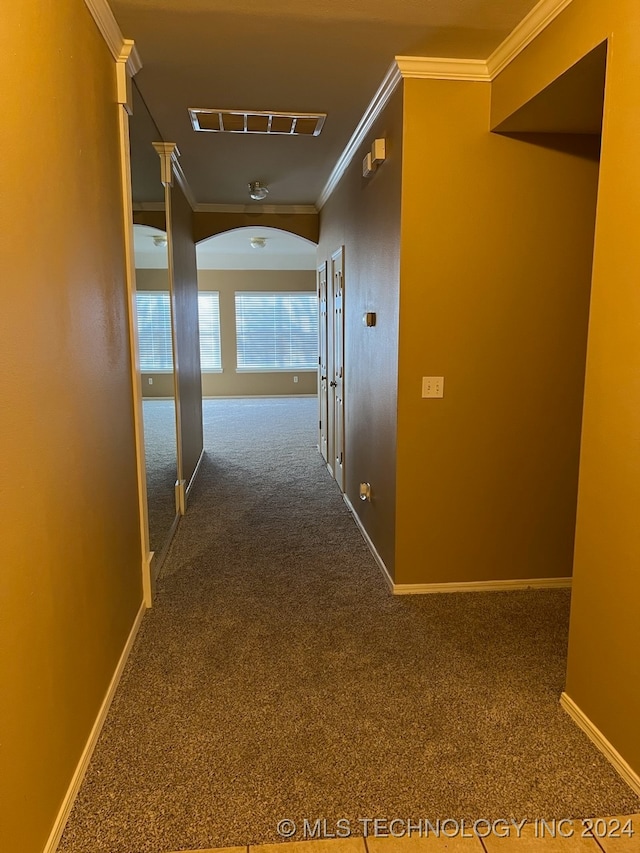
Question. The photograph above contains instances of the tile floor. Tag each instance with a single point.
(571, 837)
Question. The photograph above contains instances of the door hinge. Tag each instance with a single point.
(319, 424)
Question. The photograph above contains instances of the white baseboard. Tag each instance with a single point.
(255, 396)
(194, 475)
(370, 545)
(148, 579)
(606, 748)
(463, 586)
(85, 758)
(160, 556)
(481, 586)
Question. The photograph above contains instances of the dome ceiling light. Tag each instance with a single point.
(258, 242)
(258, 191)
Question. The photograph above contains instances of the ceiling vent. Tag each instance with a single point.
(239, 121)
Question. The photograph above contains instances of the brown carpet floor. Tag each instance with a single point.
(276, 677)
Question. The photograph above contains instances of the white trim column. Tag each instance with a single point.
(169, 153)
(127, 65)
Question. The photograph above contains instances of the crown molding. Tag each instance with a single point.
(107, 24)
(170, 168)
(168, 153)
(403, 66)
(130, 56)
(378, 103)
(287, 209)
(128, 64)
(538, 19)
(436, 68)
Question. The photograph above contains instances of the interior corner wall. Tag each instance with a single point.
(231, 383)
(71, 552)
(497, 246)
(185, 306)
(603, 676)
(363, 214)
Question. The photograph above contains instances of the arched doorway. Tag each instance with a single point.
(258, 286)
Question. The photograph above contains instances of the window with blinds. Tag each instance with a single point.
(209, 314)
(154, 331)
(276, 331)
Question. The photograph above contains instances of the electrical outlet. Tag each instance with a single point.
(433, 386)
(295, 378)
(151, 380)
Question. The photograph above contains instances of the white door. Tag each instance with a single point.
(336, 384)
(323, 376)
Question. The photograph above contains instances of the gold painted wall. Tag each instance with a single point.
(604, 666)
(364, 215)
(70, 550)
(185, 302)
(497, 245)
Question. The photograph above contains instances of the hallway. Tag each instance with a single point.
(276, 677)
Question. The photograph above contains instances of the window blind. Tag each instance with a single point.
(276, 331)
(154, 330)
(209, 321)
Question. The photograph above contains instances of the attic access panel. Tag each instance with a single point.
(244, 121)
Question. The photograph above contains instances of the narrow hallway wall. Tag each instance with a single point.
(363, 214)
(70, 552)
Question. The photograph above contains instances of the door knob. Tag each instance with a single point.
(323, 378)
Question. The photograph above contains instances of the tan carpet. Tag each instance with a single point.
(278, 678)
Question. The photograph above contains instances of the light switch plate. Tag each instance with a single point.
(433, 386)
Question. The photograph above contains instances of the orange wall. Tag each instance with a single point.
(364, 215)
(70, 550)
(604, 666)
(497, 242)
(185, 318)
